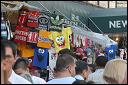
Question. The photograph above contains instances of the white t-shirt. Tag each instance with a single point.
(65, 80)
(37, 80)
(16, 79)
(79, 77)
(97, 77)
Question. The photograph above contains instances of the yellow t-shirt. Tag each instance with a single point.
(26, 51)
(43, 40)
(61, 39)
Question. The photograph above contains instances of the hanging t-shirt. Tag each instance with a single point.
(72, 36)
(52, 62)
(26, 51)
(61, 39)
(43, 40)
(111, 52)
(40, 57)
(4, 32)
(33, 19)
(22, 18)
(32, 36)
(86, 42)
(21, 34)
(43, 22)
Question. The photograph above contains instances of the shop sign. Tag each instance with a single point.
(118, 24)
(110, 24)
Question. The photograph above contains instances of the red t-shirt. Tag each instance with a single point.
(22, 18)
(32, 36)
(33, 19)
(21, 34)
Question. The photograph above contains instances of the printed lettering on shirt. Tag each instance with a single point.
(21, 35)
(32, 37)
(43, 39)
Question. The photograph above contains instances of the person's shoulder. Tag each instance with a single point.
(38, 79)
(51, 81)
(19, 79)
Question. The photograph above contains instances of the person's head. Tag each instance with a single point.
(21, 66)
(101, 61)
(82, 69)
(10, 54)
(65, 64)
(67, 51)
(79, 82)
(115, 70)
(83, 82)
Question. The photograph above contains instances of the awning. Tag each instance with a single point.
(16, 6)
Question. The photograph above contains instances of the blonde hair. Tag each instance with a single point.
(115, 71)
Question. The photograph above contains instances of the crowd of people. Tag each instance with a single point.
(70, 68)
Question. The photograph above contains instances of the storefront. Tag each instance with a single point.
(112, 22)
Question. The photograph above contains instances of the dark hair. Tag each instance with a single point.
(21, 63)
(19, 52)
(80, 66)
(11, 44)
(63, 61)
(82, 82)
(79, 82)
(101, 61)
(67, 51)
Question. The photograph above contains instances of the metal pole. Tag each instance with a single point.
(43, 6)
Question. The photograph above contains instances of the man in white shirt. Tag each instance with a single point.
(64, 70)
(9, 60)
(82, 70)
(21, 68)
(97, 76)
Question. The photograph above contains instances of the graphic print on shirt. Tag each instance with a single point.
(40, 57)
(43, 22)
(111, 52)
(61, 39)
(33, 19)
(32, 36)
(21, 34)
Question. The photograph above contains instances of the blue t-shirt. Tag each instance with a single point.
(40, 57)
(111, 52)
